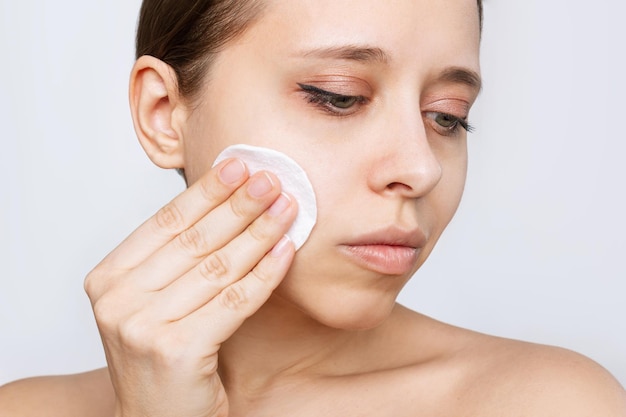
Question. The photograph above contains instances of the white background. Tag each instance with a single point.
(536, 251)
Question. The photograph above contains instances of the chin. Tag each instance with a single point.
(355, 320)
(345, 310)
(324, 287)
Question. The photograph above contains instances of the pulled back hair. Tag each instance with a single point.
(187, 34)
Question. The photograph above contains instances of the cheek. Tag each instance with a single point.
(448, 193)
(220, 123)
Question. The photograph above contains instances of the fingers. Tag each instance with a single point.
(196, 223)
(181, 213)
(235, 303)
(214, 231)
(229, 264)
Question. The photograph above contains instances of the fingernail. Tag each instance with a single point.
(280, 205)
(260, 185)
(232, 171)
(281, 247)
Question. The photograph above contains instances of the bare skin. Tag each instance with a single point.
(205, 310)
(463, 373)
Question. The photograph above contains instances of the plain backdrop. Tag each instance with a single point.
(536, 252)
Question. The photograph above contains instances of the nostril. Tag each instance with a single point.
(398, 186)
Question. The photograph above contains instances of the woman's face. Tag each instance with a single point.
(369, 98)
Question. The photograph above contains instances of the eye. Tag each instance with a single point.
(343, 102)
(334, 103)
(447, 124)
(446, 120)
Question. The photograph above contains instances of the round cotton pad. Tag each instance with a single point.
(292, 178)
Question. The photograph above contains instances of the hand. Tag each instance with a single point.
(180, 285)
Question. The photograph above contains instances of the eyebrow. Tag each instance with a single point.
(350, 53)
(365, 54)
(460, 75)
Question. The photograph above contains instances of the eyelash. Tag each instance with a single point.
(326, 100)
(455, 123)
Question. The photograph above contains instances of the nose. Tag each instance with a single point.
(405, 162)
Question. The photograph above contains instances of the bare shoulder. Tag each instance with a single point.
(82, 395)
(528, 379)
(492, 376)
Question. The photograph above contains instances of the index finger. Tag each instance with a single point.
(212, 189)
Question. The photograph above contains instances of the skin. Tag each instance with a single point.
(191, 327)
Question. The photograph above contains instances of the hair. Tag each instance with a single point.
(187, 34)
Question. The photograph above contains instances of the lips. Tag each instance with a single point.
(391, 251)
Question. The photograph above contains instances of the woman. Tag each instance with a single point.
(207, 310)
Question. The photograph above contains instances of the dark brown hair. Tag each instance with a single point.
(186, 34)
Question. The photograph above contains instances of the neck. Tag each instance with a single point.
(280, 342)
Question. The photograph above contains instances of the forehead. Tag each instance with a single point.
(407, 30)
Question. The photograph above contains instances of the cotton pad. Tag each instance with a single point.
(292, 178)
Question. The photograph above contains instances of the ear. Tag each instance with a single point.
(158, 111)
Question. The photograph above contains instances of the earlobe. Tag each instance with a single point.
(156, 106)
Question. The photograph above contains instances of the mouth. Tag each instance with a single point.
(390, 251)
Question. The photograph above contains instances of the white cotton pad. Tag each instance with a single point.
(292, 178)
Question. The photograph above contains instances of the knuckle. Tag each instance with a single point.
(238, 207)
(234, 297)
(98, 282)
(134, 332)
(140, 335)
(259, 232)
(116, 322)
(262, 275)
(105, 314)
(192, 241)
(168, 349)
(207, 190)
(92, 284)
(215, 266)
(170, 218)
